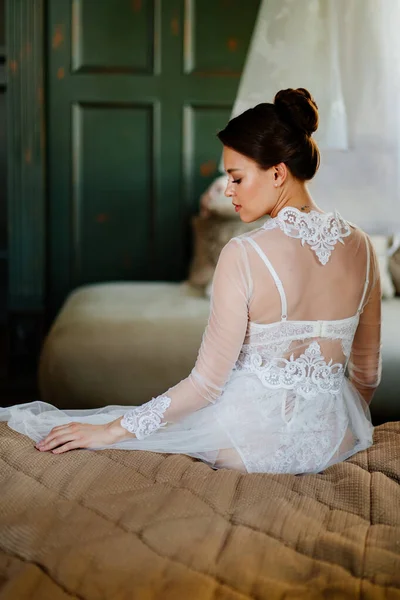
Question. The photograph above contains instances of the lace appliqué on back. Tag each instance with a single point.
(308, 375)
(321, 231)
(271, 341)
(274, 340)
(146, 419)
(344, 332)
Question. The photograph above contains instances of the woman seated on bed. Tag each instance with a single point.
(290, 358)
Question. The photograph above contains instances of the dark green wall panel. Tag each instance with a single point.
(202, 149)
(112, 191)
(136, 91)
(3, 173)
(114, 37)
(218, 34)
(2, 24)
(25, 153)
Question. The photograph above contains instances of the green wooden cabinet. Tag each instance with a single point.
(135, 93)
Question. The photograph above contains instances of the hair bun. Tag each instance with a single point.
(297, 108)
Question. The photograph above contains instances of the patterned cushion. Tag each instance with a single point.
(381, 244)
(394, 265)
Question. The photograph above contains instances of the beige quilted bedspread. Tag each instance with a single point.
(117, 524)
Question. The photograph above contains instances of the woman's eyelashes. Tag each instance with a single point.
(237, 180)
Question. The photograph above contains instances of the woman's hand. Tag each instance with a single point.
(83, 435)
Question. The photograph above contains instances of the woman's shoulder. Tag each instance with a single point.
(353, 226)
(354, 230)
(239, 244)
(237, 247)
(346, 222)
(232, 249)
(259, 228)
(358, 231)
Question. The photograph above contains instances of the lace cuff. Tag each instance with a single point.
(146, 419)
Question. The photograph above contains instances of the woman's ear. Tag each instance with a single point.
(280, 173)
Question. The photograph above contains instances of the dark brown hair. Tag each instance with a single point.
(278, 132)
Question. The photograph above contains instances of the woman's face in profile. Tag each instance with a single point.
(251, 189)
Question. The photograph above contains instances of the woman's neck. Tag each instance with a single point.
(296, 196)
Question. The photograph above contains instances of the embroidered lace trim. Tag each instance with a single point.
(345, 332)
(321, 231)
(276, 337)
(302, 450)
(307, 375)
(146, 419)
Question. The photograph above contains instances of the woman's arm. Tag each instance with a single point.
(220, 347)
(365, 363)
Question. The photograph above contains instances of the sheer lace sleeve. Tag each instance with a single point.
(220, 347)
(365, 363)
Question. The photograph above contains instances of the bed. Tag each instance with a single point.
(103, 346)
(120, 524)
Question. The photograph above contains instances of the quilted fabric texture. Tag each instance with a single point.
(118, 524)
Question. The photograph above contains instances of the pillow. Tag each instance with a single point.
(380, 244)
(216, 224)
(210, 236)
(394, 263)
(214, 201)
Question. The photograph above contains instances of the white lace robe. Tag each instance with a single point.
(295, 306)
(327, 284)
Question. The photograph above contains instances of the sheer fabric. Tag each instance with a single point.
(288, 363)
(296, 43)
(348, 55)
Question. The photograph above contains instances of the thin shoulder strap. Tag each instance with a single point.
(366, 275)
(271, 269)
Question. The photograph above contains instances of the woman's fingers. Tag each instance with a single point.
(54, 432)
(56, 440)
(59, 427)
(66, 447)
(78, 435)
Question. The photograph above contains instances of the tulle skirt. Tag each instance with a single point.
(250, 428)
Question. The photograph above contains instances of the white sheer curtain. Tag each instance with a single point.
(347, 53)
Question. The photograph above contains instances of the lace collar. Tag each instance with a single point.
(321, 231)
